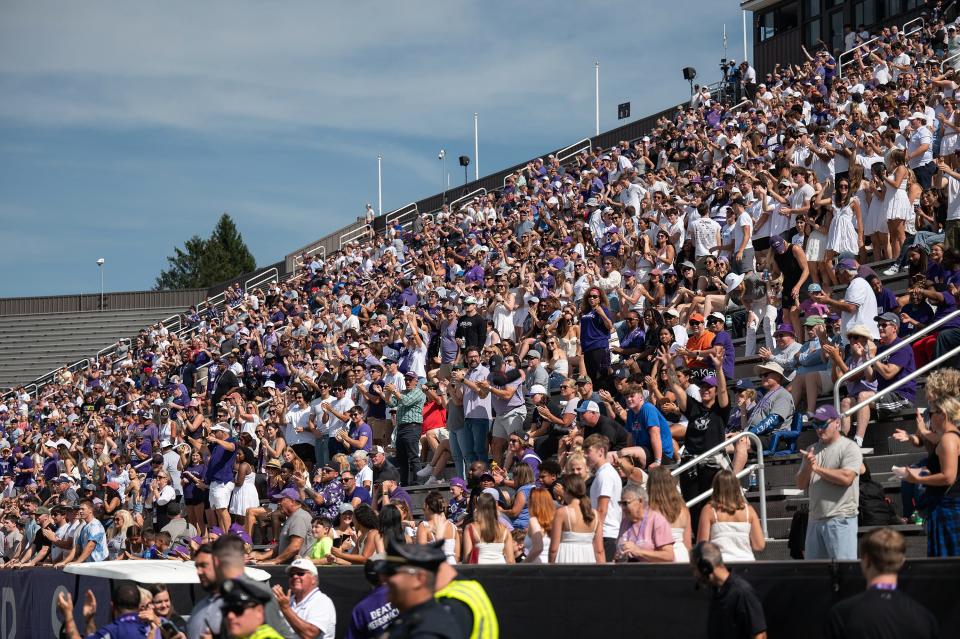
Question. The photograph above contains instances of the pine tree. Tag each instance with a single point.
(203, 263)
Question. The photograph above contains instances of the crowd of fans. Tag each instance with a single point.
(561, 344)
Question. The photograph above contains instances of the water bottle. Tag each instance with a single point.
(916, 518)
(752, 485)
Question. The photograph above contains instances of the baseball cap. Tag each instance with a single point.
(302, 563)
(888, 317)
(823, 415)
(538, 389)
(288, 493)
(778, 244)
(588, 406)
(458, 481)
(709, 380)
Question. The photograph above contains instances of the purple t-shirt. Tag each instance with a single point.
(220, 465)
(371, 615)
(722, 338)
(593, 332)
(949, 305)
(886, 301)
(904, 359)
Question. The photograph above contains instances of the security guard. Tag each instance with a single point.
(243, 612)
(411, 573)
(468, 602)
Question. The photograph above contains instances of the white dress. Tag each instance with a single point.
(733, 538)
(842, 236)
(244, 496)
(875, 221)
(544, 557)
(899, 207)
(680, 554)
(490, 553)
(576, 547)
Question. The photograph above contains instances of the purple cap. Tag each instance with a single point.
(825, 413)
(289, 493)
(778, 244)
(628, 272)
(458, 481)
(197, 539)
(786, 328)
(216, 530)
(833, 317)
(709, 380)
(847, 265)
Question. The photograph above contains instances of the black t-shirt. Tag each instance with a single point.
(878, 614)
(40, 541)
(611, 429)
(473, 329)
(705, 427)
(735, 611)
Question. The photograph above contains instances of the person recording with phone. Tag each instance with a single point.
(735, 609)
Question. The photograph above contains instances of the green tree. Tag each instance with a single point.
(202, 263)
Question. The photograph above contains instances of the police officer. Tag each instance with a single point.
(243, 609)
(411, 573)
(468, 603)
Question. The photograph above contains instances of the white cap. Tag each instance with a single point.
(302, 563)
(220, 427)
(470, 300)
(166, 443)
(538, 389)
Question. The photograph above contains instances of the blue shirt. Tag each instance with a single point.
(94, 532)
(639, 425)
(361, 493)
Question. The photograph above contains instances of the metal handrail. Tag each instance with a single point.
(841, 63)
(758, 466)
(886, 353)
(396, 214)
(907, 32)
(269, 276)
(298, 260)
(356, 233)
(900, 382)
(943, 64)
(573, 149)
(468, 196)
(738, 106)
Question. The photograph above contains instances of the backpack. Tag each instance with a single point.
(876, 509)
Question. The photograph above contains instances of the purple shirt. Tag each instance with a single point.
(904, 359)
(593, 332)
(371, 615)
(402, 495)
(220, 465)
(722, 338)
(886, 301)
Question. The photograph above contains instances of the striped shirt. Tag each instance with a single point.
(409, 406)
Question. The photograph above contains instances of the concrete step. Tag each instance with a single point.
(778, 549)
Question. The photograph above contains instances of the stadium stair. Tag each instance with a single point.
(34, 345)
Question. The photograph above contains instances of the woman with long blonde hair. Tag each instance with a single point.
(122, 521)
(665, 498)
(729, 521)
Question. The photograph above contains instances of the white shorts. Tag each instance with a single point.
(443, 434)
(220, 495)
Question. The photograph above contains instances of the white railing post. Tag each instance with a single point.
(886, 353)
(757, 466)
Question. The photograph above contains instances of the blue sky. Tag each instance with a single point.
(125, 128)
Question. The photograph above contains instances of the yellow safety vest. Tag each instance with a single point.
(265, 632)
(471, 593)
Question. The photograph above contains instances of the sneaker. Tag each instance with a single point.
(893, 269)
(433, 481)
(426, 471)
(858, 441)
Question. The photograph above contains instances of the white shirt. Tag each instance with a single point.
(607, 483)
(365, 476)
(171, 464)
(860, 293)
(953, 198)
(317, 610)
(743, 221)
(295, 418)
(920, 137)
(704, 233)
(334, 425)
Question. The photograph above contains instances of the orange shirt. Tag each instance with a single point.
(700, 342)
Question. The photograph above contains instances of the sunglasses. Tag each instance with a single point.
(238, 609)
(821, 425)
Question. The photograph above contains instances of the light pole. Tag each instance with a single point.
(100, 262)
(476, 150)
(442, 156)
(379, 188)
(596, 66)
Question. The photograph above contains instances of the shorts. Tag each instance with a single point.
(761, 243)
(510, 423)
(893, 403)
(826, 380)
(442, 434)
(220, 495)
